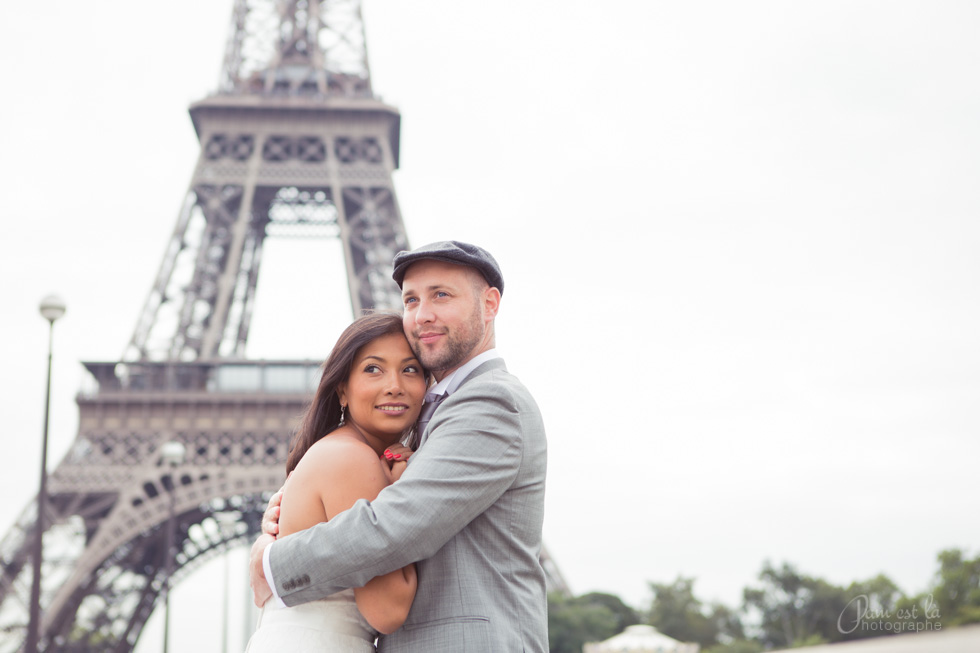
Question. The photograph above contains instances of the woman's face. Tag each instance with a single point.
(384, 391)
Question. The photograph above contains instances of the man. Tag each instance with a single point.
(469, 508)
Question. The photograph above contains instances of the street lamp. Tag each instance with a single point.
(173, 455)
(226, 523)
(52, 308)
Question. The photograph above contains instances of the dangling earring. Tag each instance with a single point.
(342, 407)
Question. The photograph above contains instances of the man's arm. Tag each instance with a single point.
(471, 457)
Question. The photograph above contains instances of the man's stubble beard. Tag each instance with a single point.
(458, 346)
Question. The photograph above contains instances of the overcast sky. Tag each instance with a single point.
(740, 244)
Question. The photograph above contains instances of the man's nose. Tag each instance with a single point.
(424, 314)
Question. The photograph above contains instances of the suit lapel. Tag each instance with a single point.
(493, 364)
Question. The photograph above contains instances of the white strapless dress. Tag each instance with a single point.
(332, 625)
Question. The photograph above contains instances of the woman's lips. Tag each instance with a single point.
(392, 409)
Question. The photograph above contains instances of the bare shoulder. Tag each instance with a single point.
(343, 469)
(335, 454)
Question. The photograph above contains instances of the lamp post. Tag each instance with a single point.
(173, 455)
(226, 523)
(52, 308)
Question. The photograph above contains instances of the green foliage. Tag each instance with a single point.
(795, 608)
(677, 613)
(625, 615)
(737, 646)
(912, 614)
(953, 599)
(573, 621)
(957, 589)
(871, 605)
(788, 609)
(811, 640)
(727, 622)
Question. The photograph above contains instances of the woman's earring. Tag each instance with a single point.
(342, 407)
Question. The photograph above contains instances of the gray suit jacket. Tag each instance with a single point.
(468, 510)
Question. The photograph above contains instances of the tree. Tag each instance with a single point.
(573, 621)
(625, 615)
(952, 600)
(677, 613)
(871, 605)
(795, 609)
(957, 589)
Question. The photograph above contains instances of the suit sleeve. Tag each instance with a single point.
(471, 457)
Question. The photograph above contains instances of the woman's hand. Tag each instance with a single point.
(397, 456)
(270, 518)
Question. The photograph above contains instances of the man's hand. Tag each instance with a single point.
(261, 591)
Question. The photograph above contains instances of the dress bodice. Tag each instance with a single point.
(332, 625)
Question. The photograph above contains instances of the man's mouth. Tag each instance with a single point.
(429, 337)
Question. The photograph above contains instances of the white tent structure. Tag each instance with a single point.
(640, 639)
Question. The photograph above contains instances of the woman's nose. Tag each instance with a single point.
(394, 384)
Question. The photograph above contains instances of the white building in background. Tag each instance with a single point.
(641, 639)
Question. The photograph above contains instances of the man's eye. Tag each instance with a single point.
(442, 294)
(410, 300)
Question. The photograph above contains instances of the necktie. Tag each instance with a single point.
(429, 406)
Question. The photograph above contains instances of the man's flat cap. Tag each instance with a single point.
(451, 251)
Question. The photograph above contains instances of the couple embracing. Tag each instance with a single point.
(424, 532)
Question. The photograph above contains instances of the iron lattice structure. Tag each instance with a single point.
(293, 143)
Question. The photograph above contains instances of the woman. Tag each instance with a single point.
(368, 400)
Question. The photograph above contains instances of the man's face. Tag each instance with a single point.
(444, 317)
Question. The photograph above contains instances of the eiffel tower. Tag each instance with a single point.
(293, 143)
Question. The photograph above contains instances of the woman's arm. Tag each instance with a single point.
(340, 471)
(386, 600)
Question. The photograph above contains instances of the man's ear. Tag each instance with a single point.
(491, 302)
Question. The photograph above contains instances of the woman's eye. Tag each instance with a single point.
(412, 369)
(372, 368)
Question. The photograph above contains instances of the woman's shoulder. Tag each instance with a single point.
(340, 469)
(339, 451)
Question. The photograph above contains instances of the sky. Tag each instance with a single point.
(739, 243)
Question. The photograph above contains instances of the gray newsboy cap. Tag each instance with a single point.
(451, 251)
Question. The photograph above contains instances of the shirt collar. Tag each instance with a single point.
(449, 384)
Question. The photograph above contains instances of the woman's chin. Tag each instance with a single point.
(391, 434)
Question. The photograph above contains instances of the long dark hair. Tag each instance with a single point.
(323, 415)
